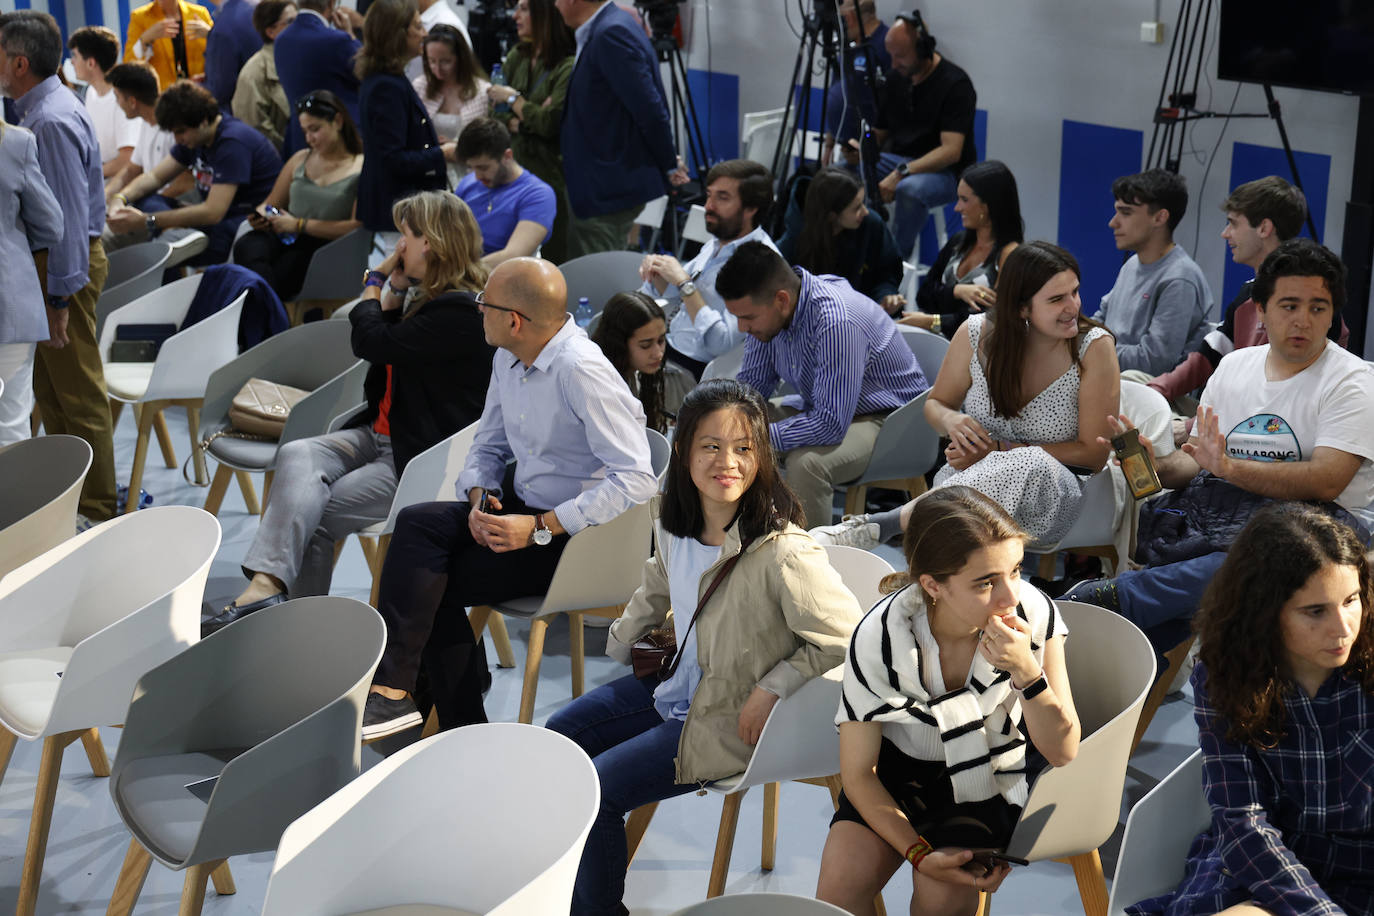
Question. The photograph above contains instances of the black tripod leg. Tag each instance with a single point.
(1276, 112)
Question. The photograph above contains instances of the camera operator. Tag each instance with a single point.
(850, 97)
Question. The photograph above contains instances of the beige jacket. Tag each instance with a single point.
(781, 617)
(259, 100)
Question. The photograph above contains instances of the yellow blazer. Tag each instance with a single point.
(163, 60)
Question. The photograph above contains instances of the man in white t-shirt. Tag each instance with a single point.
(95, 49)
(135, 90)
(1287, 420)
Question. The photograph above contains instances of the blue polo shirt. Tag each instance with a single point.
(498, 210)
(239, 155)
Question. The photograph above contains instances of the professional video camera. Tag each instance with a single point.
(492, 27)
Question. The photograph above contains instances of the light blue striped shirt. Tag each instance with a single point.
(575, 431)
(843, 355)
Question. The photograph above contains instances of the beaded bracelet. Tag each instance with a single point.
(918, 851)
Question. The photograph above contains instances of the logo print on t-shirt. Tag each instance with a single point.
(1263, 437)
(204, 174)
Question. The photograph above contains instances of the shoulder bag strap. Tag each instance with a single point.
(711, 590)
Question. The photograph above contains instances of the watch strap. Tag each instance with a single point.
(1034, 688)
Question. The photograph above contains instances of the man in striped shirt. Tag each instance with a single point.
(841, 353)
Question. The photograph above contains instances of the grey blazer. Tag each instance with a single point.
(30, 220)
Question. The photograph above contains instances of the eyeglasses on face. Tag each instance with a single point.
(482, 301)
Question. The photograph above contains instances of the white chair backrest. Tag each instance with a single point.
(341, 313)
(928, 347)
(799, 740)
(727, 365)
(41, 513)
(164, 305)
(652, 215)
(601, 275)
(1151, 413)
(761, 905)
(602, 565)
(523, 860)
(1159, 830)
(659, 453)
(431, 475)
(695, 229)
(860, 570)
(188, 357)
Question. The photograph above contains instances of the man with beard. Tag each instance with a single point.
(739, 194)
(514, 208)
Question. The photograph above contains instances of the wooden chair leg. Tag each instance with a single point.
(1155, 698)
(164, 440)
(879, 908)
(636, 825)
(478, 618)
(8, 740)
(505, 655)
(130, 883)
(95, 752)
(267, 478)
(854, 498)
(431, 723)
(578, 649)
(222, 879)
(218, 487)
(383, 545)
(1092, 885)
(250, 495)
(146, 414)
(770, 827)
(44, 796)
(193, 890)
(534, 655)
(116, 408)
(369, 547)
(1047, 566)
(725, 843)
(197, 453)
(834, 784)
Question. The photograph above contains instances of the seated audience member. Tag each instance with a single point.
(169, 36)
(963, 279)
(929, 774)
(95, 50)
(558, 404)
(1285, 420)
(1023, 396)
(429, 367)
(925, 128)
(259, 99)
(835, 233)
(230, 44)
(403, 155)
(633, 334)
(838, 349)
(1158, 308)
(234, 167)
(315, 197)
(451, 85)
(849, 99)
(739, 194)
(537, 71)
(779, 617)
(135, 89)
(1284, 692)
(312, 53)
(513, 206)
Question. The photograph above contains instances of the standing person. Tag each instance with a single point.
(929, 771)
(95, 51)
(30, 220)
(537, 71)
(230, 44)
(313, 53)
(259, 99)
(433, 13)
(633, 334)
(617, 138)
(68, 375)
(169, 36)
(851, 98)
(1284, 693)
(402, 153)
(452, 86)
(779, 617)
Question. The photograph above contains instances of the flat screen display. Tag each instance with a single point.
(1327, 45)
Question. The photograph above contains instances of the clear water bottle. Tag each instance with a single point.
(499, 79)
(288, 238)
(583, 316)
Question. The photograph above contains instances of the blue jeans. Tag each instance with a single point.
(917, 195)
(1162, 600)
(633, 749)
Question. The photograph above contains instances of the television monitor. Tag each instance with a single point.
(1326, 45)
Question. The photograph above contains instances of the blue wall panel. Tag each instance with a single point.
(1249, 162)
(716, 98)
(1093, 156)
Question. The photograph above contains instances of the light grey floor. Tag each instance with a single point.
(87, 841)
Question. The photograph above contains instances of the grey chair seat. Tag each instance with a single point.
(154, 792)
(244, 454)
(416, 909)
(521, 607)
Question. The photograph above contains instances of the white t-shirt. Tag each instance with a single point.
(1330, 403)
(688, 559)
(112, 130)
(153, 145)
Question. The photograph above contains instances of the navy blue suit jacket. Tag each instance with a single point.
(401, 151)
(617, 139)
(227, 48)
(312, 55)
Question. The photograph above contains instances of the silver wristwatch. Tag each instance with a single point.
(687, 289)
(542, 535)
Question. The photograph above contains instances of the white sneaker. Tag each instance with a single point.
(852, 531)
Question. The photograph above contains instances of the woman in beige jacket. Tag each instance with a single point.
(779, 617)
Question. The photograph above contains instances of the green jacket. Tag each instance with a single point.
(536, 144)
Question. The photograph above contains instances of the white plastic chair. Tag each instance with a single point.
(178, 376)
(332, 277)
(761, 905)
(116, 600)
(660, 450)
(41, 513)
(651, 218)
(694, 230)
(186, 245)
(134, 271)
(906, 448)
(727, 365)
(522, 860)
(928, 347)
(600, 276)
(1159, 830)
(759, 135)
(341, 313)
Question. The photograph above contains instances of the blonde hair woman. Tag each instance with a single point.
(428, 379)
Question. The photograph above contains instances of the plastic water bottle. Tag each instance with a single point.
(499, 79)
(583, 316)
(287, 238)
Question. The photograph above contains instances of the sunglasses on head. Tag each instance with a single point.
(316, 106)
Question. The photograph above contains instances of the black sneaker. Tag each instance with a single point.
(1101, 592)
(382, 716)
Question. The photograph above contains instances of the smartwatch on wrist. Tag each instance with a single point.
(902, 170)
(373, 278)
(151, 222)
(1034, 688)
(542, 535)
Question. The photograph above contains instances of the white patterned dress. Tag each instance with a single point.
(1040, 493)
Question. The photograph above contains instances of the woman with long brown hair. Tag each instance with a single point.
(1023, 397)
(452, 86)
(633, 333)
(1284, 695)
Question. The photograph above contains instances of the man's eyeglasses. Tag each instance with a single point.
(481, 300)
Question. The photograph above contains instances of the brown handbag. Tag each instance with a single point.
(656, 654)
(261, 407)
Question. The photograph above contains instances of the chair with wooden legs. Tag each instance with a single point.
(227, 743)
(115, 600)
(177, 377)
(1159, 830)
(134, 271)
(315, 357)
(928, 347)
(1174, 659)
(331, 279)
(40, 514)
(906, 448)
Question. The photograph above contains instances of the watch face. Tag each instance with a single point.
(542, 536)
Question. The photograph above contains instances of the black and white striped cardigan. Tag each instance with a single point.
(972, 728)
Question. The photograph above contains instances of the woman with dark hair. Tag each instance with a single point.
(833, 232)
(964, 276)
(774, 615)
(314, 201)
(1023, 397)
(259, 100)
(1284, 696)
(937, 682)
(537, 71)
(633, 333)
(452, 86)
(403, 153)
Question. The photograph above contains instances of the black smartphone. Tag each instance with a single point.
(984, 860)
(484, 504)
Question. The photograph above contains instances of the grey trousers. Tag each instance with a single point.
(813, 470)
(325, 488)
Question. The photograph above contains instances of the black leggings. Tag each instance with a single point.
(282, 266)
